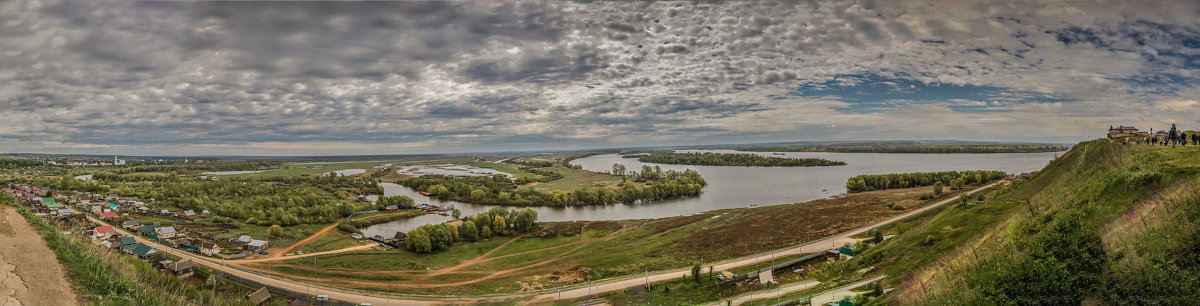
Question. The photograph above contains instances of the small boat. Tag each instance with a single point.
(777, 153)
(424, 193)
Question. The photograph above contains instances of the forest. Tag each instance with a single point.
(731, 159)
(650, 184)
(954, 179)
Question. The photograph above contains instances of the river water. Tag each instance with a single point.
(731, 186)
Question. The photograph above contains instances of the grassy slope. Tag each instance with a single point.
(1068, 236)
(105, 277)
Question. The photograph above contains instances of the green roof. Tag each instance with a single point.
(142, 249)
(51, 202)
(147, 228)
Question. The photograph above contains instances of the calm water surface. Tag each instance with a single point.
(731, 187)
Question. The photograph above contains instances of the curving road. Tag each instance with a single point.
(567, 293)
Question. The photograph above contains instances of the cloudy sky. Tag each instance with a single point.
(307, 78)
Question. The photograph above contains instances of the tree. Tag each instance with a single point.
(420, 242)
(878, 237)
(937, 189)
(618, 169)
(486, 232)
(500, 228)
(525, 220)
(275, 230)
(468, 231)
(696, 272)
(456, 213)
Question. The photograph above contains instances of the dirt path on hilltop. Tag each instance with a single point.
(29, 271)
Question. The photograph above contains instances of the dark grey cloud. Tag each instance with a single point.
(524, 73)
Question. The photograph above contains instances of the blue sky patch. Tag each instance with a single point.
(871, 93)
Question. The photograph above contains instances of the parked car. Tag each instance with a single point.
(263, 252)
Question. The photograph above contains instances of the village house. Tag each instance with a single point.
(243, 239)
(103, 232)
(189, 214)
(147, 229)
(51, 203)
(165, 232)
(127, 241)
(256, 246)
(66, 213)
(260, 296)
(131, 224)
(209, 248)
(108, 215)
(183, 268)
(141, 250)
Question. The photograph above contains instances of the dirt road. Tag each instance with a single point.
(573, 292)
(308, 240)
(29, 271)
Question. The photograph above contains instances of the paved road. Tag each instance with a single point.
(574, 292)
(769, 293)
(841, 292)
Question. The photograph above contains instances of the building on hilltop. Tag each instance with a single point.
(1122, 131)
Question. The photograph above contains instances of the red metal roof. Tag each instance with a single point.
(104, 229)
(108, 214)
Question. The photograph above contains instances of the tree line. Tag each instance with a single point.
(499, 190)
(954, 179)
(914, 149)
(494, 222)
(731, 159)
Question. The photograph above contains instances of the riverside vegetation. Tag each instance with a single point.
(649, 184)
(912, 148)
(730, 159)
(954, 179)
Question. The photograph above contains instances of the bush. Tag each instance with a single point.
(925, 196)
(899, 207)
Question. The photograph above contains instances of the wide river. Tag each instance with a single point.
(731, 187)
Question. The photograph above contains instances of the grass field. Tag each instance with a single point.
(291, 234)
(332, 241)
(575, 178)
(565, 253)
(510, 169)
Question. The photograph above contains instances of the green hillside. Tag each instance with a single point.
(1104, 223)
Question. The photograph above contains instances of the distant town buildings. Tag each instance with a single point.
(1123, 131)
